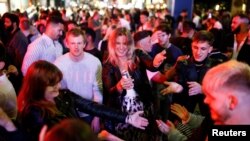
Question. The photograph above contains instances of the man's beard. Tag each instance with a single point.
(237, 30)
(9, 29)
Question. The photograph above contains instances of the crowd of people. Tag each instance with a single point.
(136, 75)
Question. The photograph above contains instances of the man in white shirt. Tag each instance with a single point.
(124, 22)
(8, 101)
(82, 72)
(197, 19)
(213, 22)
(46, 47)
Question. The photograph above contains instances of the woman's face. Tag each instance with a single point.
(121, 46)
(52, 91)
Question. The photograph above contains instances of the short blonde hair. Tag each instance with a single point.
(76, 32)
(230, 76)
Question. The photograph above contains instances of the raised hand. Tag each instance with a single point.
(43, 132)
(194, 88)
(180, 111)
(95, 124)
(137, 121)
(105, 135)
(6, 122)
(155, 37)
(165, 127)
(172, 87)
(182, 58)
(159, 58)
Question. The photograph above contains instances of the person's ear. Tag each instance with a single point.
(169, 35)
(210, 49)
(85, 43)
(2, 64)
(233, 101)
(66, 43)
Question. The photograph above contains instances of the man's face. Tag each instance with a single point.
(163, 38)
(24, 23)
(146, 44)
(200, 50)
(218, 104)
(235, 25)
(57, 30)
(8, 25)
(76, 45)
(143, 19)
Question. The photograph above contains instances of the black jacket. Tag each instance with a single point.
(187, 71)
(111, 75)
(68, 103)
(244, 53)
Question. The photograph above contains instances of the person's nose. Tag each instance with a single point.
(61, 33)
(199, 51)
(58, 86)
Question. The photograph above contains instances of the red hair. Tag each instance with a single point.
(39, 75)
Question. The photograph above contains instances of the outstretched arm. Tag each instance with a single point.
(103, 111)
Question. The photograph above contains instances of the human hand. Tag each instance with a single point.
(172, 87)
(105, 135)
(127, 83)
(95, 124)
(12, 69)
(180, 111)
(136, 120)
(6, 122)
(194, 88)
(43, 132)
(155, 37)
(165, 127)
(159, 58)
(182, 58)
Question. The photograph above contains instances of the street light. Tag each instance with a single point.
(244, 7)
(217, 7)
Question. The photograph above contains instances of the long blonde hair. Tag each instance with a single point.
(112, 57)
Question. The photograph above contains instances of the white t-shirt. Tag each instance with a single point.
(83, 77)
